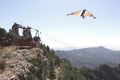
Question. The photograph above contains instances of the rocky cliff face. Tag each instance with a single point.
(14, 62)
(20, 63)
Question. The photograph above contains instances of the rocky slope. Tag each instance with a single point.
(26, 64)
(15, 61)
(25, 58)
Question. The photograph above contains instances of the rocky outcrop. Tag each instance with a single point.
(16, 61)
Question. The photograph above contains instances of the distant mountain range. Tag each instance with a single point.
(91, 57)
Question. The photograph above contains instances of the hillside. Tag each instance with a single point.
(14, 62)
(42, 64)
(39, 62)
(28, 64)
(91, 57)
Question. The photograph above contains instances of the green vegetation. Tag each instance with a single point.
(7, 35)
(43, 66)
(12, 36)
(68, 72)
(103, 72)
(42, 70)
(2, 34)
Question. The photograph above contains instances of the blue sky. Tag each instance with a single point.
(59, 30)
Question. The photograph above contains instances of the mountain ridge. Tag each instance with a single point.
(91, 57)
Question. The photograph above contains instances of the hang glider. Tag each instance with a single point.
(83, 13)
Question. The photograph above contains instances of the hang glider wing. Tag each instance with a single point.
(77, 13)
(83, 13)
(89, 14)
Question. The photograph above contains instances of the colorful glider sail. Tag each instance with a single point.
(83, 13)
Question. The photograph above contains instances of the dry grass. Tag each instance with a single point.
(2, 64)
(7, 51)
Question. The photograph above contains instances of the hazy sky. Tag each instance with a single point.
(59, 30)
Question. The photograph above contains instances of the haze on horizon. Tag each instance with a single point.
(61, 31)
